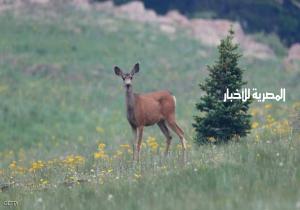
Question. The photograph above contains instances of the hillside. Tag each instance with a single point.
(280, 17)
(57, 79)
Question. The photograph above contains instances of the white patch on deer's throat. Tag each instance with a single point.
(127, 81)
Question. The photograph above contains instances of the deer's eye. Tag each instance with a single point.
(123, 78)
(130, 77)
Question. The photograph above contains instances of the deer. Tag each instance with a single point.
(147, 109)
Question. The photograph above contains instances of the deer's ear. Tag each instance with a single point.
(118, 71)
(135, 69)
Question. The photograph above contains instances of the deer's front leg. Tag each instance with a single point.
(134, 141)
(139, 142)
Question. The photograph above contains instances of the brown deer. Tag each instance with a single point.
(149, 109)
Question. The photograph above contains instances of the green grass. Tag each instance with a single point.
(54, 110)
(234, 176)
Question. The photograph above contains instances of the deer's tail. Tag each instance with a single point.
(174, 100)
(181, 131)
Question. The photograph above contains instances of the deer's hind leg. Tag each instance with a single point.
(173, 125)
(164, 129)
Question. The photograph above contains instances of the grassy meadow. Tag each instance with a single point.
(64, 136)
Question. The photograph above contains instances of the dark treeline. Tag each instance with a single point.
(270, 16)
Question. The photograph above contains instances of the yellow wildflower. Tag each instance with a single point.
(137, 176)
(151, 140)
(79, 159)
(43, 181)
(13, 165)
(100, 155)
(254, 112)
(119, 153)
(296, 105)
(101, 146)
(270, 119)
(268, 106)
(125, 146)
(99, 129)
(73, 160)
(179, 146)
(37, 165)
(254, 125)
(153, 145)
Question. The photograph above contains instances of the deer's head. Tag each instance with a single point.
(127, 77)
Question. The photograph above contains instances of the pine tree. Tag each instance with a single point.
(220, 121)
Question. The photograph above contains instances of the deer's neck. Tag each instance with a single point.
(130, 106)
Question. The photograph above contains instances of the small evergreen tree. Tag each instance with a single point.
(220, 121)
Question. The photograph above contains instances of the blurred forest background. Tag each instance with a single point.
(270, 16)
